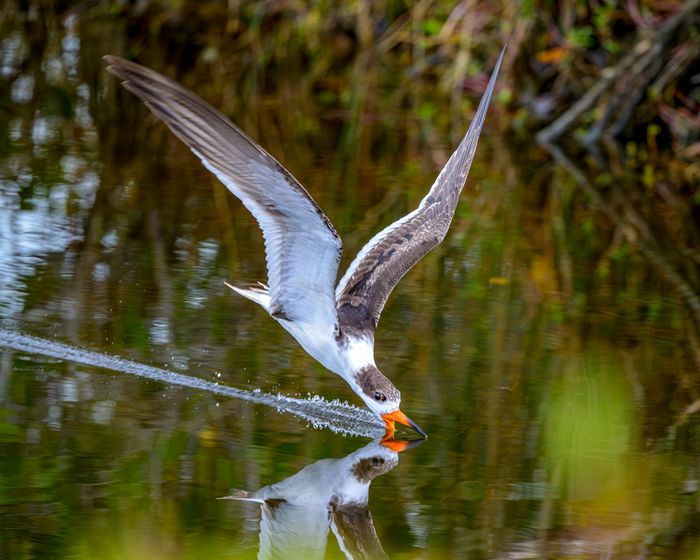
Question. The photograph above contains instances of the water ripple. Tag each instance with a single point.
(337, 416)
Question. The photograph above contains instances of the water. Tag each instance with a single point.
(548, 347)
(336, 416)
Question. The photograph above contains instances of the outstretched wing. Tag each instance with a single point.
(353, 527)
(302, 247)
(382, 262)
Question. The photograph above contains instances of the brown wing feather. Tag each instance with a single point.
(367, 290)
(355, 528)
(365, 287)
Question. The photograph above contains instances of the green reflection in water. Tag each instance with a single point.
(589, 437)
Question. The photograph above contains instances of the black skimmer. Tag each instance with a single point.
(330, 494)
(335, 324)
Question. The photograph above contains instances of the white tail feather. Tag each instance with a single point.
(243, 496)
(260, 295)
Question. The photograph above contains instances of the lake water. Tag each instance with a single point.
(549, 353)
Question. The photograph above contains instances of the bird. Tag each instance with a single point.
(333, 322)
(330, 494)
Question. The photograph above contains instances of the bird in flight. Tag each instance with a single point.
(335, 324)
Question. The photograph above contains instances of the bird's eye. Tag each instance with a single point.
(379, 396)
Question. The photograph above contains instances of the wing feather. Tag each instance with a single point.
(302, 247)
(383, 261)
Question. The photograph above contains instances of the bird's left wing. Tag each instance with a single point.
(354, 530)
(301, 246)
(382, 262)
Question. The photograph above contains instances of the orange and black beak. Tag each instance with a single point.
(401, 418)
(400, 446)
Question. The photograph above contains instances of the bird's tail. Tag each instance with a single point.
(260, 294)
(243, 496)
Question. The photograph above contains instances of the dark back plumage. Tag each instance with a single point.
(378, 267)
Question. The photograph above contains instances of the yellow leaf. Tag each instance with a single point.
(550, 56)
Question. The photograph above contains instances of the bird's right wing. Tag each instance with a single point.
(302, 247)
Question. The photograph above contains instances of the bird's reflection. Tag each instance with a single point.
(330, 494)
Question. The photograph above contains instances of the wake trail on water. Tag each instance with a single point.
(337, 416)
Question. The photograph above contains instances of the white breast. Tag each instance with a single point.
(342, 359)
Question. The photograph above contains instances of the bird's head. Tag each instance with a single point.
(382, 398)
